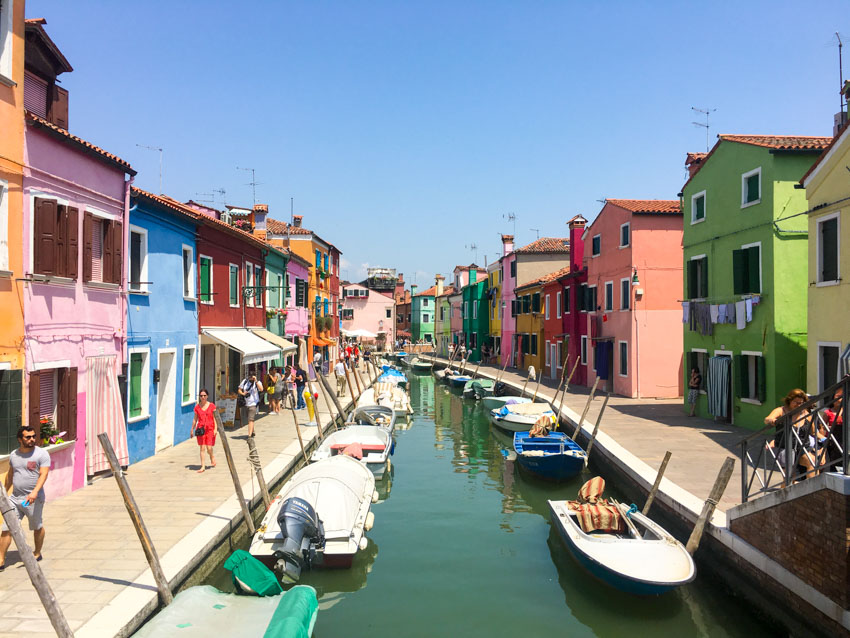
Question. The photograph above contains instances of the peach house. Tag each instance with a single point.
(633, 253)
(370, 310)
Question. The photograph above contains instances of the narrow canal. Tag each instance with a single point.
(462, 546)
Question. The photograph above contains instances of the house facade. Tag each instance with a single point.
(297, 320)
(366, 309)
(528, 338)
(494, 308)
(508, 321)
(575, 340)
(635, 263)
(476, 318)
(422, 315)
(554, 344)
(442, 316)
(746, 273)
(403, 314)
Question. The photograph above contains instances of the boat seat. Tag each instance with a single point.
(598, 517)
(366, 447)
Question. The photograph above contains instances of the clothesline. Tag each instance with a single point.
(709, 300)
(701, 316)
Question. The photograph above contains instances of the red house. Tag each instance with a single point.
(554, 338)
(574, 300)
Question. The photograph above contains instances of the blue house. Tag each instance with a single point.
(162, 324)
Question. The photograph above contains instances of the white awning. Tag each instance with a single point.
(845, 361)
(253, 349)
(284, 345)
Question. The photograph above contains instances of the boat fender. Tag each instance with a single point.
(370, 521)
(390, 462)
(375, 496)
(364, 542)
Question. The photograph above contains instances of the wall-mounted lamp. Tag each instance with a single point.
(635, 280)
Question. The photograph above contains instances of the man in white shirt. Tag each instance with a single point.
(250, 388)
(339, 371)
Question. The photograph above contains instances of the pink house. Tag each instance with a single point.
(75, 230)
(297, 316)
(370, 310)
(633, 253)
(508, 262)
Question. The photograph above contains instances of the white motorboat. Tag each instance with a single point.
(496, 403)
(370, 444)
(520, 416)
(380, 415)
(319, 518)
(387, 394)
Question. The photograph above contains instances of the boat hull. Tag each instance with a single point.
(554, 467)
(497, 403)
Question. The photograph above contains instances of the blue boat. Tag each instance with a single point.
(458, 381)
(391, 375)
(554, 457)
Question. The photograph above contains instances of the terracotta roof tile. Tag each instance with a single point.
(166, 202)
(694, 157)
(63, 134)
(782, 142)
(427, 293)
(277, 227)
(826, 151)
(648, 205)
(547, 245)
(545, 279)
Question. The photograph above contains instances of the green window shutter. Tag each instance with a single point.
(205, 279)
(693, 293)
(739, 274)
(752, 188)
(742, 368)
(753, 269)
(700, 208)
(762, 378)
(703, 282)
(829, 250)
(135, 384)
(234, 286)
(187, 375)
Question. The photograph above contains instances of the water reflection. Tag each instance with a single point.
(333, 581)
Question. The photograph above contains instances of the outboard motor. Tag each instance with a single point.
(499, 389)
(303, 532)
(477, 391)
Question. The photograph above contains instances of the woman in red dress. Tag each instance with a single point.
(203, 427)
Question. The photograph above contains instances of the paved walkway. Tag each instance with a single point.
(649, 427)
(92, 557)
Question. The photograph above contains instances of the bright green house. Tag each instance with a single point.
(476, 317)
(745, 247)
(422, 315)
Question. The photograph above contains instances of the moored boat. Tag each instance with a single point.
(520, 416)
(392, 375)
(495, 403)
(370, 444)
(386, 394)
(380, 415)
(554, 457)
(420, 365)
(458, 380)
(478, 388)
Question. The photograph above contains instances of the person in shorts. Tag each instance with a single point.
(339, 371)
(28, 468)
(694, 383)
(250, 388)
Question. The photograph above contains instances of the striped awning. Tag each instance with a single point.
(844, 361)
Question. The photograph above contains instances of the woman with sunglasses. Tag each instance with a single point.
(203, 427)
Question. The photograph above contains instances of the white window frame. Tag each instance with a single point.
(560, 363)
(212, 288)
(594, 286)
(609, 299)
(144, 288)
(694, 197)
(744, 176)
(249, 283)
(593, 255)
(620, 345)
(583, 350)
(546, 304)
(558, 300)
(146, 384)
(697, 258)
(193, 381)
(547, 358)
(753, 390)
(819, 283)
(821, 345)
(230, 265)
(4, 223)
(622, 226)
(702, 372)
(761, 285)
(191, 282)
(7, 13)
(628, 295)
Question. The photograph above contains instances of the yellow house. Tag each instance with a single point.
(827, 187)
(528, 310)
(11, 211)
(494, 302)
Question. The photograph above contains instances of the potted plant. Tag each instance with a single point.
(50, 434)
(271, 314)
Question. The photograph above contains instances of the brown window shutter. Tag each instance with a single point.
(117, 251)
(61, 240)
(88, 221)
(44, 244)
(62, 400)
(106, 225)
(73, 242)
(58, 107)
(71, 428)
(35, 403)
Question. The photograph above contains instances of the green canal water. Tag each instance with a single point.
(462, 546)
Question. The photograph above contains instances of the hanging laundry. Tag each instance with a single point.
(686, 306)
(730, 313)
(756, 299)
(721, 314)
(714, 312)
(741, 314)
(749, 303)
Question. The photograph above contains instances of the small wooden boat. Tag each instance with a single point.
(420, 365)
(478, 388)
(496, 403)
(392, 375)
(458, 380)
(520, 416)
(386, 394)
(554, 457)
(380, 415)
(370, 444)
(623, 548)
(319, 518)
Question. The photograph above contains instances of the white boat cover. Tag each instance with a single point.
(253, 348)
(529, 409)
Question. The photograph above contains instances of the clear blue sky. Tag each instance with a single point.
(406, 131)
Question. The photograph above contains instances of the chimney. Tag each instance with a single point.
(296, 220)
(693, 161)
(576, 225)
(413, 288)
(439, 279)
(507, 244)
(840, 118)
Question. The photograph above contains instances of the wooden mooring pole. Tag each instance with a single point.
(326, 393)
(586, 408)
(350, 384)
(37, 578)
(657, 483)
(136, 518)
(596, 427)
(228, 455)
(360, 381)
(525, 385)
(257, 466)
(333, 397)
(710, 503)
(354, 374)
(537, 387)
(566, 386)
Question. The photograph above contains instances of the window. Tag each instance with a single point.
(347, 313)
(318, 259)
(698, 277)
(425, 303)
(750, 372)
(828, 249)
(138, 260)
(474, 309)
(698, 207)
(746, 269)
(546, 353)
(584, 350)
(546, 308)
(390, 313)
(465, 309)
(6, 37)
(562, 353)
(591, 299)
(442, 313)
(828, 357)
(609, 296)
(567, 300)
(271, 298)
(103, 243)
(473, 341)
(188, 273)
(206, 280)
(513, 268)
(425, 318)
(4, 216)
(534, 345)
(596, 246)
(408, 317)
(535, 302)
(558, 305)
(300, 293)
(55, 243)
(11, 406)
(624, 359)
(258, 283)
(400, 319)
(53, 395)
(698, 359)
(326, 262)
(582, 298)
(282, 289)
(751, 188)
(625, 235)
(140, 383)
(625, 293)
(188, 375)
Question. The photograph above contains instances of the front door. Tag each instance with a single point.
(553, 360)
(208, 371)
(165, 397)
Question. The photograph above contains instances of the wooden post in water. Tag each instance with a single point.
(566, 385)
(360, 380)
(254, 457)
(586, 408)
(657, 483)
(596, 427)
(710, 503)
(476, 369)
(537, 387)
(136, 518)
(228, 455)
(324, 383)
(502, 372)
(360, 388)
(524, 385)
(354, 396)
(298, 432)
(555, 396)
(37, 578)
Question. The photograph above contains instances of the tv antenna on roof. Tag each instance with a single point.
(841, 99)
(536, 230)
(155, 148)
(474, 249)
(706, 126)
(511, 217)
(253, 183)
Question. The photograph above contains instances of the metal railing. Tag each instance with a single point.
(802, 443)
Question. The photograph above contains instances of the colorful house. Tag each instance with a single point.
(11, 221)
(575, 342)
(554, 344)
(75, 201)
(161, 244)
(442, 318)
(297, 320)
(366, 309)
(635, 265)
(746, 268)
(403, 299)
(276, 260)
(422, 311)
(528, 339)
(494, 307)
(476, 318)
(455, 299)
(508, 322)
(827, 191)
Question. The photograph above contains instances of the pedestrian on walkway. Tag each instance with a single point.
(278, 389)
(317, 361)
(339, 371)
(203, 427)
(694, 384)
(250, 390)
(28, 468)
(300, 383)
